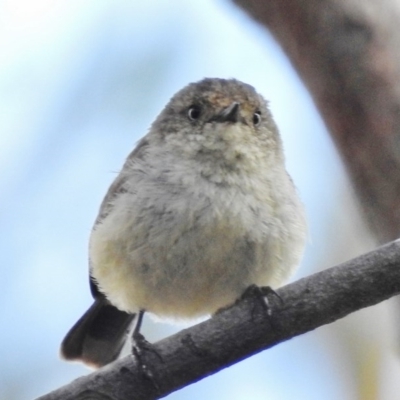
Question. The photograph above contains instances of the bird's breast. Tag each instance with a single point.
(185, 253)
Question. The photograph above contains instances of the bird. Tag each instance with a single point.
(202, 209)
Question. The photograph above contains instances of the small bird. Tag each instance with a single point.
(202, 209)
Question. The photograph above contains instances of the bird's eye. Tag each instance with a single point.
(194, 113)
(256, 118)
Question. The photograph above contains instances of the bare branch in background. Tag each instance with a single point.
(348, 54)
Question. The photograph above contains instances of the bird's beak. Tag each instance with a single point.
(229, 114)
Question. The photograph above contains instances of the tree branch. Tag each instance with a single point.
(245, 329)
(348, 54)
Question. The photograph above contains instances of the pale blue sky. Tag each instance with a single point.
(80, 84)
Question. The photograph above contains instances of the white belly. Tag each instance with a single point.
(187, 256)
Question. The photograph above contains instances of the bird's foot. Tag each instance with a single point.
(141, 349)
(262, 292)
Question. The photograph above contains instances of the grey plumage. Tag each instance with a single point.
(202, 209)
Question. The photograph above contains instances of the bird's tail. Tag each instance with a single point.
(98, 336)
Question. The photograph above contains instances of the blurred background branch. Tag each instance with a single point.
(348, 54)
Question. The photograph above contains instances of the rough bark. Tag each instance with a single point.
(244, 329)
